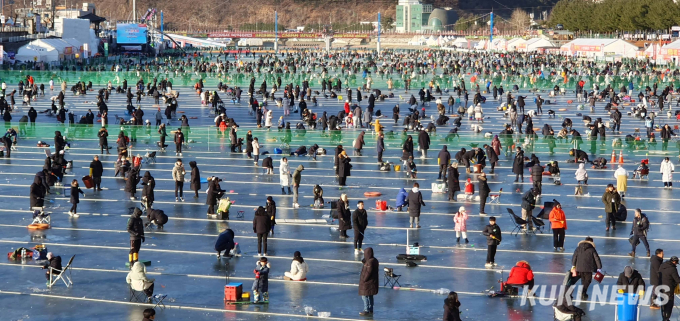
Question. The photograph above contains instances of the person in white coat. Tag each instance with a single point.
(621, 176)
(138, 281)
(666, 170)
(298, 269)
(256, 151)
(479, 113)
(268, 119)
(284, 176)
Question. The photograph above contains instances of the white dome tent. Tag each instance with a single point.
(31, 53)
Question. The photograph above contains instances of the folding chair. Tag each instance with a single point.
(62, 274)
(518, 222)
(538, 224)
(136, 296)
(149, 157)
(391, 279)
(240, 214)
(495, 198)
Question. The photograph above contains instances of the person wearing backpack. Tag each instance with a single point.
(639, 231)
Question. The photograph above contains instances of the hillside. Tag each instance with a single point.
(209, 14)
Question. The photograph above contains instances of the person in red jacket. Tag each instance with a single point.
(521, 274)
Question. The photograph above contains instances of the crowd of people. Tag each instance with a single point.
(437, 80)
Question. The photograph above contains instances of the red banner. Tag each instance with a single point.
(305, 35)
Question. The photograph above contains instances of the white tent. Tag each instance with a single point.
(460, 43)
(498, 44)
(515, 44)
(65, 49)
(593, 47)
(37, 54)
(536, 43)
(431, 41)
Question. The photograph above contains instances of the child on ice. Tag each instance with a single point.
(261, 283)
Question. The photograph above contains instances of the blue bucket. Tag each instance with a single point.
(626, 306)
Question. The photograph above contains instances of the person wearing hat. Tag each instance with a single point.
(669, 281)
(53, 262)
(493, 238)
(460, 219)
(484, 191)
(630, 281)
(558, 223)
(585, 262)
(639, 231)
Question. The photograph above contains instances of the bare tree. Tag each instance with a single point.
(520, 19)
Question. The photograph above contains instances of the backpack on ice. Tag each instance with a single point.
(277, 150)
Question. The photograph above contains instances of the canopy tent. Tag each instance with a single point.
(593, 47)
(516, 44)
(536, 43)
(36, 54)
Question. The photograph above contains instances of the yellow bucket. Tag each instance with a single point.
(397, 168)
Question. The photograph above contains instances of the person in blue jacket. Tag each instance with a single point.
(225, 242)
(402, 199)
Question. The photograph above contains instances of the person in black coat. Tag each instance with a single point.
(225, 242)
(195, 178)
(261, 226)
(654, 278)
(467, 159)
(484, 191)
(59, 142)
(415, 201)
(585, 262)
(96, 172)
(630, 281)
(336, 159)
(37, 194)
(103, 141)
(157, 217)
(395, 114)
(32, 115)
(149, 184)
(407, 148)
(537, 177)
(369, 281)
(270, 207)
(518, 164)
(135, 227)
(493, 238)
(491, 156)
(453, 181)
(132, 181)
(452, 307)
(443, 160)
(214, 193)
(423, 143)
(344, 216)
(668, 272)
(344, 168)
(53, 263)
(380, 146)
(359, 223)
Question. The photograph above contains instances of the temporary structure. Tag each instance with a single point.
(36, 54)
(593, 47)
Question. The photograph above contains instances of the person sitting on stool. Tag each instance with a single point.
(520, 275)
(138, 281)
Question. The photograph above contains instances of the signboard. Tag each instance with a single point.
(306, 35)
(131, 33)
(587, 48)
(68, 50)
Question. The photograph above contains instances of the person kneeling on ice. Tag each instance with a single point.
(261, 283)
(402, 199)
(520, 275)
(225, 242)
(298, 269)
(157, 217)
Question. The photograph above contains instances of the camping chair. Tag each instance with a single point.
(545, 212)
(136, 296)
(149, 157)
(559, 316)
(495, 198)
(538, 224)
(39, 216)
(62, 274)
(518, 222)
(240, 214)
(391, 279)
